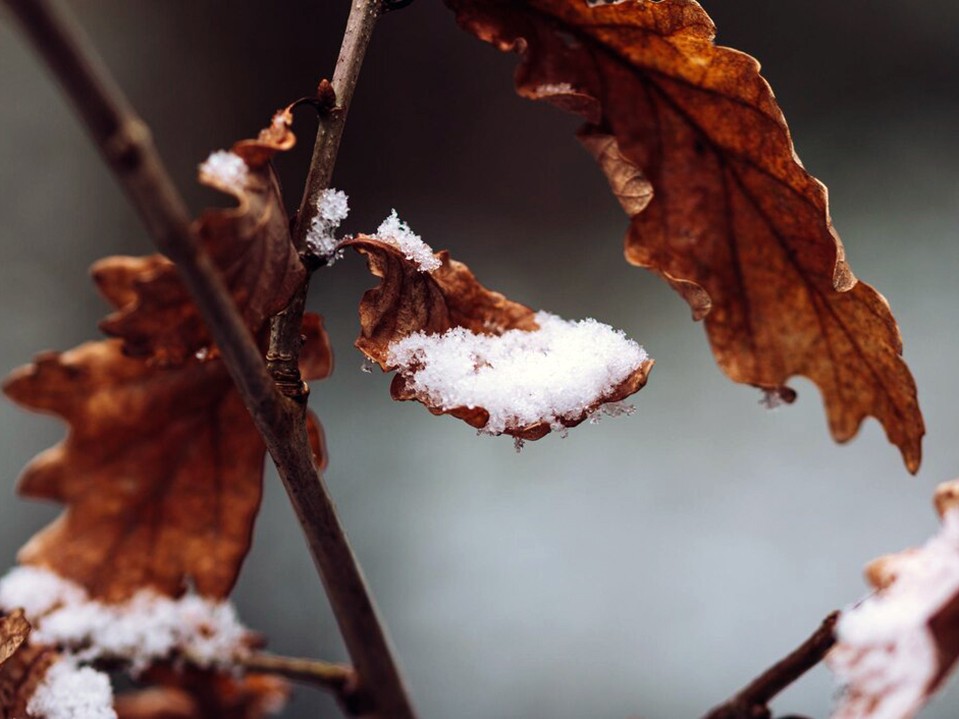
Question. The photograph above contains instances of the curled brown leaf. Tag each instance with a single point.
(20, 675)
(699, 155)
(409, 300)
(249, 243)
(14, 630)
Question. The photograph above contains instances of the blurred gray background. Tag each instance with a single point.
(645, 567)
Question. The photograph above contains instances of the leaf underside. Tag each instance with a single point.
(699, 155)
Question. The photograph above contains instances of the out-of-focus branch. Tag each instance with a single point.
(126, 145)
(752, 702)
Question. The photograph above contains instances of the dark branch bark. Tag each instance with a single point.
(126, 145)
(752, 702)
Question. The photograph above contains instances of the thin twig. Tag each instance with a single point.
(752, 702)
(285, 328)
(125, 143)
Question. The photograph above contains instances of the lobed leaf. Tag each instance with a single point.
(700, 157)
(161, 469)
(249, 243)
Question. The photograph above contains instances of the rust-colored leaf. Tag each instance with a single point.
(191, 693)
(20, 675)
(699, 155)
(249, 243)
(410, 300)
(14, 630)
(161, 469)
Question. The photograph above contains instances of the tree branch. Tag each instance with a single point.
(126, 145)
(752, 701)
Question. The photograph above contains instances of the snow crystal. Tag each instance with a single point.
(394, 231)
(557, 372)
(225, 168)
(146, 628)
(332, 207)
(69, 691)
(554, 88)
(885, 652)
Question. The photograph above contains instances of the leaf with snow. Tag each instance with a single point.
(161, 469)
(250, 244)
(467, 351)
(20, 676)
(698, 153)
(896, 647)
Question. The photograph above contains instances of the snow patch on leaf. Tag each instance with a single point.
(332, 207)
(225, 169)
(558, 372)
(71, 691)
(886, 655)
(142, 630)
(397, 233)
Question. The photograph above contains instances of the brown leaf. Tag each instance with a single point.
(249, 243)
(14, 630)
(409, 300)
(191, 693)
(20, 675)
(161, 472)
(698, 153)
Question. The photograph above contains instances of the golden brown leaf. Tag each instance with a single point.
(191, 693)
(249, 243)
(161, 470)
(20, 675)
(409, 300)
(699, 155)
(14, 630)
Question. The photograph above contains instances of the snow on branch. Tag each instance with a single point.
(896, 646)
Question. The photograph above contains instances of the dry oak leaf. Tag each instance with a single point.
(21, 674)
(897, 647)
(249, 243)
(411, 300)
(191, 693)
(161, 469)
(14, 630)
(700, 157)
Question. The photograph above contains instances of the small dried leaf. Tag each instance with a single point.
(249, 243)
(161, 472)
(896, 647)
(698, 153)
(20, 675)
(14, 630)
(410, 300)
(191, 693)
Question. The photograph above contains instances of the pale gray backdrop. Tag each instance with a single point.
(644, 567)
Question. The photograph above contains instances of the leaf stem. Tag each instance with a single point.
(125, 143)
(752, 701)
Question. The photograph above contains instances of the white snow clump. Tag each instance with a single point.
(521, 378)
(393, 231)
(70, 691)
(332, 207)
(146, 628)
(226, 169)
(886, 654)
